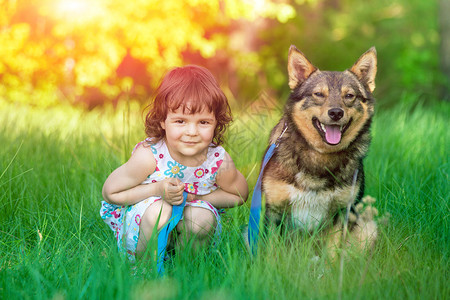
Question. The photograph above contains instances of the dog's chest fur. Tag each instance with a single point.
(309, 189)
(309, 208)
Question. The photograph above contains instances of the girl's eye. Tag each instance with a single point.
(179, 121)
(204, 122)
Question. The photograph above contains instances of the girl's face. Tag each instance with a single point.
(188, 136)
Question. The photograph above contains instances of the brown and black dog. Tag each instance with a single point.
(326, 124)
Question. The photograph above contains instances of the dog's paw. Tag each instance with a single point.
(364, 210)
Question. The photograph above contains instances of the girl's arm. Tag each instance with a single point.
(233, 189)
(123, 186)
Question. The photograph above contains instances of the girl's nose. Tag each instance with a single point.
(192, 129)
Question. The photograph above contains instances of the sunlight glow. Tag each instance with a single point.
(72, 6)
(258, 5)
(263, 8)
(81, 10)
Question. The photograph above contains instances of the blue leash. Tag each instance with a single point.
(255, 208)
(163, 236)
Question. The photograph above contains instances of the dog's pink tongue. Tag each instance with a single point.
(333, 134)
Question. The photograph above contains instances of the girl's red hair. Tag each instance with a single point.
(193, 88)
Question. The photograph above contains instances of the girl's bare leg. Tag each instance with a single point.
(148, 223)
(197, 227)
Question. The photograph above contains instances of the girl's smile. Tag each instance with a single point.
(188, 136)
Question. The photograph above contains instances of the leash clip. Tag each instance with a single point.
(277, 142)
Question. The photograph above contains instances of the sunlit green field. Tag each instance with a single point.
(53, 244)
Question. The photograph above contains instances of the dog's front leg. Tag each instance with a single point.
(277, 199)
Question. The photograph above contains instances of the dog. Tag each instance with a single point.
(316, 171)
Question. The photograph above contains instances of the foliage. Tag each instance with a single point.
(333, 34)
(53, 243)
(93, 52)
(96, 50)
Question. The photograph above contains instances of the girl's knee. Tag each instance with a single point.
(199, 221)
(149, 220)
(158, 209)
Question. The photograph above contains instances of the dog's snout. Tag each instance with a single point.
(336, 114)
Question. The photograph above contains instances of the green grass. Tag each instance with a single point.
(53, 243)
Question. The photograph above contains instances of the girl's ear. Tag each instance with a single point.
(163, 125)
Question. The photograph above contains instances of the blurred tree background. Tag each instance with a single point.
(97, 52)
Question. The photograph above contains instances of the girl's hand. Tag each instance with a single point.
(172, 191)
(191, 197)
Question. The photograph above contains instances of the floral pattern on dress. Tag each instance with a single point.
(154, 151)
(199, 173)
(174, 169)
(218, 164)
(137, 219)
(191, 187)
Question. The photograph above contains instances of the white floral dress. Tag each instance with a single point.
(201, 180)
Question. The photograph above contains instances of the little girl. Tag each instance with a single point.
(182, 152)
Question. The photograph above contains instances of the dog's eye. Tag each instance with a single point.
(349, 96)
(319, 94)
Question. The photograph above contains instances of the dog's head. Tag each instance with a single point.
(331, 108)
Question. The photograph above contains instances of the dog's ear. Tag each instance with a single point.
(299, 67)
(366, 68)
